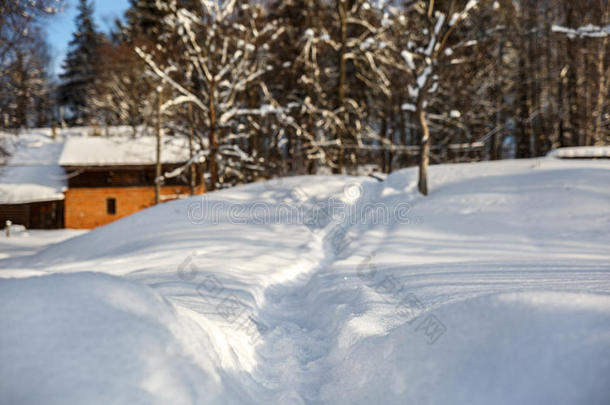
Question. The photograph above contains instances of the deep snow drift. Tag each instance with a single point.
(495, 289)
(86, 338)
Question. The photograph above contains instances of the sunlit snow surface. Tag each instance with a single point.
(494, 289)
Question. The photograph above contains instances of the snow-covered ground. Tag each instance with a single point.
(494, 289)
(25, 242)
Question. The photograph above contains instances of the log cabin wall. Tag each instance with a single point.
(34, 215)
(88, 208)
(97, 196)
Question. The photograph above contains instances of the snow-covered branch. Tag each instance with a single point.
(586, 31)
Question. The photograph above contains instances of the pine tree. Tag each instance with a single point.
(144, 20)
(80, 65)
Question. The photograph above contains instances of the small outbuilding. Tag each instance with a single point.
(112, 177)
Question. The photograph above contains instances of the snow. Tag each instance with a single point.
(590, 30)
(122, 150)
(408, 107)
(456, 17)
(143, 335)
(495, 288)
(23, 242)
(423, 77)
(440, 20)
(31, 184)
(31, 173)
(581, 152)
(455, 114)
(408, 57)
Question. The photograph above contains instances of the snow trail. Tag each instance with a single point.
(302, 316)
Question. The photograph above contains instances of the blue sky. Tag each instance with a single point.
(60, 27)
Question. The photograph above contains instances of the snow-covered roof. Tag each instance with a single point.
(581, 152)
(25, 184)
(32, 173)
(122, 151)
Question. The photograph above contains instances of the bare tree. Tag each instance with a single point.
(23, 60)
(123, 92)
(421, 58)
(222, 60)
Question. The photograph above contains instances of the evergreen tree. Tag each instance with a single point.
(144, 21)
(80, 65)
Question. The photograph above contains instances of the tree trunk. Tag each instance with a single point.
(534, 68)
(158, 154)
(424, 152)
(341, 9)
(403, 129)
(495, 140)
(382, 135)
(551, 120)
(572, 80)
(212, 139)
(587, 116)
(601, 93)
(390, 137)
(561, 111)
(192, 172)
(523, 139)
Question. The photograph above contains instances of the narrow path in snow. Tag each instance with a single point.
(303, 315)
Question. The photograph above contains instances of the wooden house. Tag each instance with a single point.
(82, 182)
(112, 177)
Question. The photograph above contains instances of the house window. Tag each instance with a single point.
(111, 206)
